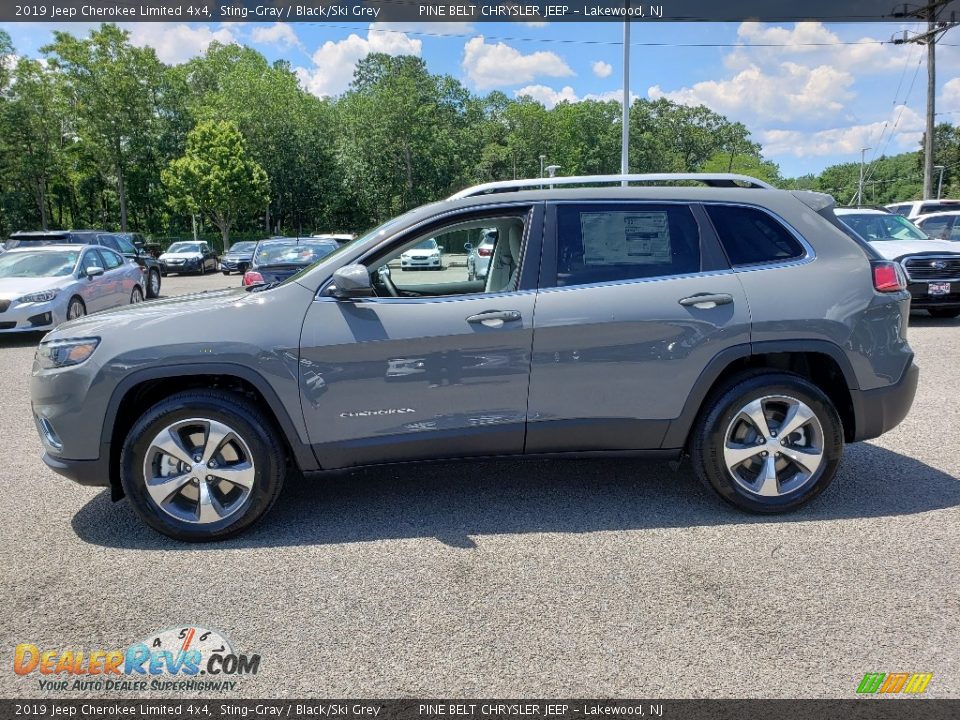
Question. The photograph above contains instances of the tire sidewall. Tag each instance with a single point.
(267, 460)
(154, 274)
(710, 439)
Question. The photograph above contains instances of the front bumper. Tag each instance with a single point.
(94, 473)
(921, 299)
(32, 317)
(432, 262)
(186, 266)
(880, 410)
(234, 263)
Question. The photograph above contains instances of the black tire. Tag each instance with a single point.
(203, 267)
(944, 313)
(76, 308)
(722, 407)
(248, 421)
(153, 284)
(471, 275)
(225, 272)
(136, 295)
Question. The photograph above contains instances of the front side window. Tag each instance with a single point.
(751, 236)
(441, 263)
(607, 243)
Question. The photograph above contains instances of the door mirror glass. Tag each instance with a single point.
(351, 281)
(467, 247)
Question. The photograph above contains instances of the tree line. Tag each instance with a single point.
(100, 133)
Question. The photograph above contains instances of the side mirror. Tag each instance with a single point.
(441, 248)
(467, 247)
(351, 281)
(93, 271)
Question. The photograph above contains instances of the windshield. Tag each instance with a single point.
(883, 227)
(241, 247)
(292, 253)
(38, 264)
(430, 244)
(184, 247)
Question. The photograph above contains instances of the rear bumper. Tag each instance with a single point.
(84, 472)
(880, 410)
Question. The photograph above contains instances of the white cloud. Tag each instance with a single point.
(602, 69)
(881, 136)
(949, 100)
(791, 91)
(175, 44)
(547, 95)
(816, 44)
(487, 66)
(280, 34)
(334, 62)
(534, 24)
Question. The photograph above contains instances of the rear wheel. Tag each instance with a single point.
(768, 442)
(153, 283)
(202, 465)
(76, 309)
(944, 313)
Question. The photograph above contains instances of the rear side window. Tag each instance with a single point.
(936, 227)
(751, 236)
(112, 259)
(605, 243)
(901, 209)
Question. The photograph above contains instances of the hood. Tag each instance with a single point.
(12, 288)
(182, 255)
(142, 315)
(892, 249)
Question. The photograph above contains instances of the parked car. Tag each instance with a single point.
(42, 287)
(916, 208)
(941, 225)
(188, 256)
(122, 243)
(478, 257)
(341, 238)
(238, 257)
(737, 324)
(276, 259)
(425, 255)
(932, 266)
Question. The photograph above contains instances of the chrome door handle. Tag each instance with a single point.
(495, 318)
(706, 301)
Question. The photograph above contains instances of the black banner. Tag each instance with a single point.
(332, 11)
(885, 708)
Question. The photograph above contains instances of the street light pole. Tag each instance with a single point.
(625, 122)
(941, 168)
(542, 158)
(860, 184)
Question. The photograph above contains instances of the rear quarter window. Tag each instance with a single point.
(751, 237)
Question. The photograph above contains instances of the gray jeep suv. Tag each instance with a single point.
(734, 323)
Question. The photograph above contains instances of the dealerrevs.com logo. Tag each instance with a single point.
(894, 683)
(179, 659)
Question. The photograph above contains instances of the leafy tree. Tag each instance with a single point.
(215, 177)
(744, 164)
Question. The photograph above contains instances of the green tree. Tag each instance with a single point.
(215, 177)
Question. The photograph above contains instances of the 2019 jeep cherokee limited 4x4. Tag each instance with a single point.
(734, 322)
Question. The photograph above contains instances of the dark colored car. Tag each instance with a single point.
(189, 256)
(238, 257)
(276, 259)
(123, 243)
(736, 324)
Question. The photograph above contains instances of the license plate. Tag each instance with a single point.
(938, 288)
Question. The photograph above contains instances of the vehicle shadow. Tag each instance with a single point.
(454, 501)
(922, 319)
(22, 340)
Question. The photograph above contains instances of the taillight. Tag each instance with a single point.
(887, 277)
(484, 252)
(252, 277)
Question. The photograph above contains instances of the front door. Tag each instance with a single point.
(437, 365)
(635, 300)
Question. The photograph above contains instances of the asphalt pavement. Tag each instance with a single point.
(598, 578)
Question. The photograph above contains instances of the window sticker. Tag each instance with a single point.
(625, 238)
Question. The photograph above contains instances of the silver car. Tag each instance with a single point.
(42, 287)
(478, 261)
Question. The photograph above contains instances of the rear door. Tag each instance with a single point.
(115, 279)
(636, 298)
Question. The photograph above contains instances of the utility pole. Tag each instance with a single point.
(941, 168)
(860, 184)
(935, 30)
(625, 123)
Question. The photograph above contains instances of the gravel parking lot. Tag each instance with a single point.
(581, 578)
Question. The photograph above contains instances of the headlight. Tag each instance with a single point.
(42, 296)
(64, 353)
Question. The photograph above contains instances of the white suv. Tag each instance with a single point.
(916, 208)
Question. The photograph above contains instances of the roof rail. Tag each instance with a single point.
(710, 179)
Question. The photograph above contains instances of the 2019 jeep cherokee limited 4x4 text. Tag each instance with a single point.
(733, 322)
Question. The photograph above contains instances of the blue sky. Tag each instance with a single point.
(811, 94)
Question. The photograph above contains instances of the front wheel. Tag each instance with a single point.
(944, 313)
(202, 465)
(76, 309)
(136, 296)
(768, 442)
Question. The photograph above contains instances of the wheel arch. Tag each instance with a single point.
(145, 388)
(820, 361)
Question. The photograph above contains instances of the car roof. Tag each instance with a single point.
(48, 248)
